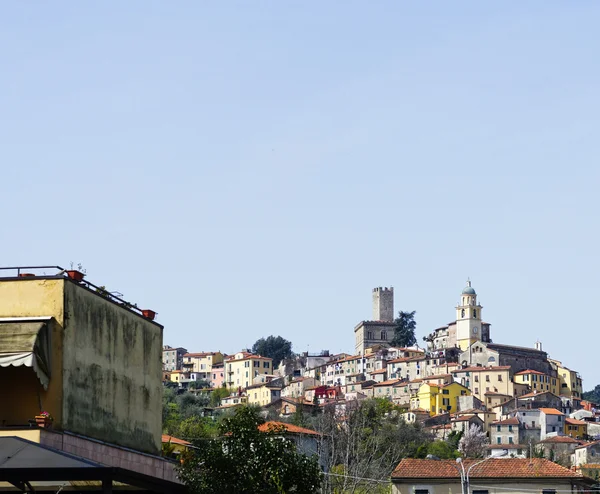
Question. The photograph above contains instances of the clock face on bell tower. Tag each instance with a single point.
(468, 317)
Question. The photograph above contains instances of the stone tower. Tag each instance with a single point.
(468, 318)
(383, 304)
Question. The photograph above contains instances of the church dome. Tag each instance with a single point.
(468, 290)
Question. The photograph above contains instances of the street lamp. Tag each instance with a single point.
(464, 474)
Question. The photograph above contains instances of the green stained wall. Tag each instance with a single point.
(112, 372)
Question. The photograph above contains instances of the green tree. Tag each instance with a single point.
(404, 332)
(274, 347)
(245, 460)
(217, 395)
(593, 396)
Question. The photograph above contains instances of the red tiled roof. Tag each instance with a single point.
(560, 439)
(534, 394)
(174, 440)
(551, 411)
(388, 383)
(378, 371)
(509, 468)
(201, 354)
(483, 369)
(512, 421)
(529, 371)
(463, 418)
(290, 428)
(571, 421)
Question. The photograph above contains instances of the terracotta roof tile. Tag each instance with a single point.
(551, 411)
(290, 428)
(515, 468)
(512, 421)
(174, 440)
(529, 371)
(571, 421)
(560, 439)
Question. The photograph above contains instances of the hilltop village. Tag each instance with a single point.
(518, 396)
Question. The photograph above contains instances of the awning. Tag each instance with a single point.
(28, 344)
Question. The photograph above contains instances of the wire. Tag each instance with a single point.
(358, 478)
(520, 489)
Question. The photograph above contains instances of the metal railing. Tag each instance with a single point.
(60, 272)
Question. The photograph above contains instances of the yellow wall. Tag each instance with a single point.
(431, 398)
(575, 431)
(106, 365)
(262, 395)
(32, 435)
(238, 375)
(541, 384)
(33, 298)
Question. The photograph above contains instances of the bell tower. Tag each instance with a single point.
(468, 318)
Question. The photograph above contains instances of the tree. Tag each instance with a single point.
(274, 347)
(473, 443)
(217, 395)
(245, 460)
(404, 332)
(366, 441)
(593, 396)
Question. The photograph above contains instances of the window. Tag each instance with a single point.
(475, 491)
(445, 392)
(499, 378)
(421, 491)
(445, 402)
(476, 391)
(548, 491)
(498, 440)
(476, 378)
(487, 378)
(384, 335)
(510, 440)
(498, 428)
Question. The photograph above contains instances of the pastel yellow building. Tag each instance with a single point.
(243, 367)
(91, 361)
(484, 381)
(570, 383)
(577, 429)
(263, 394)
(439, 398)
(537, 381)
(201, 363)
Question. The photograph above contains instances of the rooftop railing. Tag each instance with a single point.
(76, 275)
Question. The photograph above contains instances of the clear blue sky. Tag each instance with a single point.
(256, 168)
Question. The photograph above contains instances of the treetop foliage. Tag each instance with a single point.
(404, 332)
(274, 347)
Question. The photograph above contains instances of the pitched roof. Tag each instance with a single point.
(571, 421)
(174, 440)
(511, 421)
(289, 428)
(551, 411)
(560, 439)
(529, 371)
(533, 394)
(509, 468)
(483, 369)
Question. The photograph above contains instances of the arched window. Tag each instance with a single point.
(369, 335)
(462, 313)
(475, 313)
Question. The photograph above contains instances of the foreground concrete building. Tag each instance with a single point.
(92, 361)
